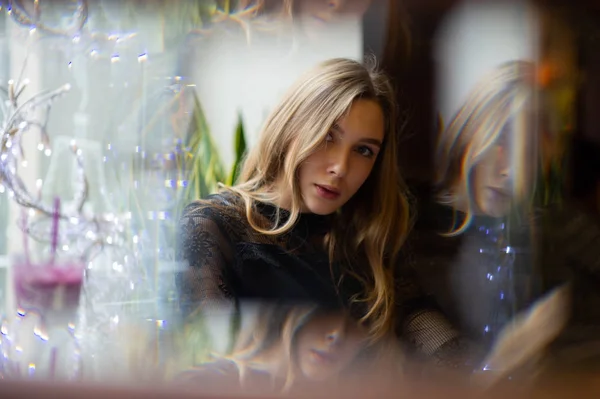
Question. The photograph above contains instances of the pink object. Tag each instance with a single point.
(48, 287)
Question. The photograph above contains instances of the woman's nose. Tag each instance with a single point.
(338, 165)
(335, 336)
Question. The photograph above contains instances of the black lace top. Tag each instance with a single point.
(228, 261)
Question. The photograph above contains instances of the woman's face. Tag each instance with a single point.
(334, 173)
(491, 180)
(327, 344)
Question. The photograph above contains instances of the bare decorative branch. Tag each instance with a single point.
(21, 118)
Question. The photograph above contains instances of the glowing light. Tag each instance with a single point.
(143, 57)
(41, 147)
(48, 152)
(65, 247)
(117, 267)
(115, 58)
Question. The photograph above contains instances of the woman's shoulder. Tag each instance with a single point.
(221, 208)
(220, 214)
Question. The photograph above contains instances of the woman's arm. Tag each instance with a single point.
(429, 333)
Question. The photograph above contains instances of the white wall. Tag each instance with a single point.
(475, 38)
(232, 76)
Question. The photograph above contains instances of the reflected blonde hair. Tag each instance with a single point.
(376, 220)
(273, 337)
(276, 326)
(506, 96)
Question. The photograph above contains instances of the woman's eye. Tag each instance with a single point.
(329, 137)
(365, 151)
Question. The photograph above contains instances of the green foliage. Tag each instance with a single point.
(202, 159)
(240, 152)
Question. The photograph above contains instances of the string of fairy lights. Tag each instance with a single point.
(20, 118)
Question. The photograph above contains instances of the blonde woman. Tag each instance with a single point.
(297, 348)
(320, 211)
(475, 252)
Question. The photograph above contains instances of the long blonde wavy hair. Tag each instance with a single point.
(505, 97)
(374, 223)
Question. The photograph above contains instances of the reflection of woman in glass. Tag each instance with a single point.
(474, 250)
(476, 243)
(290, 346)
(319, 213)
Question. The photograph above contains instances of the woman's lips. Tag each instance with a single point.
(327, 192)
(323, 357)
(500, 193)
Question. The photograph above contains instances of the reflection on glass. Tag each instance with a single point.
(286, 346)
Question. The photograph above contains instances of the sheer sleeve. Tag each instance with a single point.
(207, 252)
(427, 331)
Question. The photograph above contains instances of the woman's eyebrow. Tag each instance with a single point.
(368, 140)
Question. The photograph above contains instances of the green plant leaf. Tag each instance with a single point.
(239, 151)
(203, 163)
